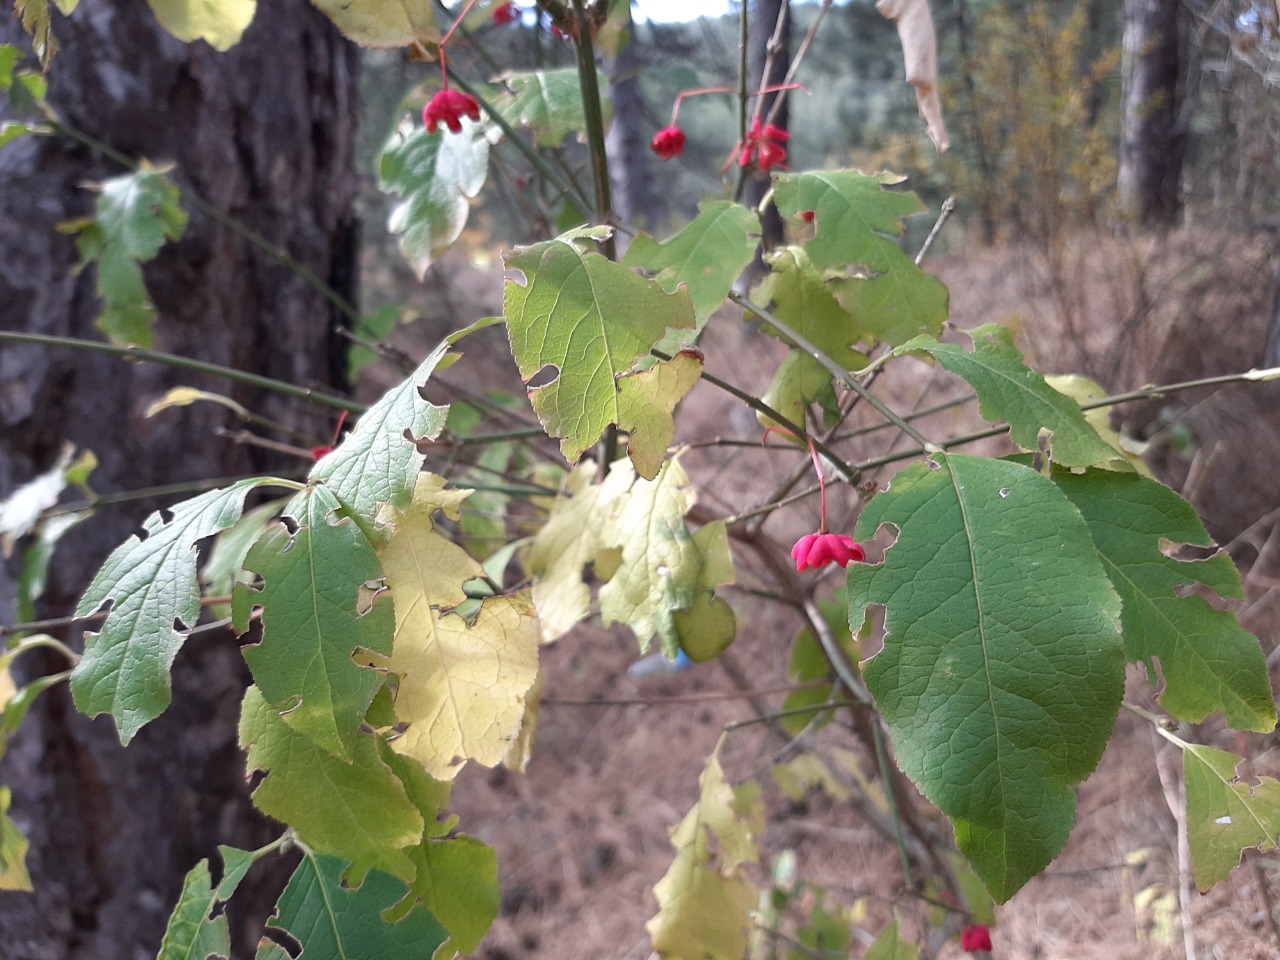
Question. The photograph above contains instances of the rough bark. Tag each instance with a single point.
(264, 133)
(1154, 135)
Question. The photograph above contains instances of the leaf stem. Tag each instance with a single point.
(778, 417)
(186, 363)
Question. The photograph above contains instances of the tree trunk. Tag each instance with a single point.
(265, 134)
(1154, 135)
(630, 162)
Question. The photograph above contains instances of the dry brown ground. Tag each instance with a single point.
(583, 835)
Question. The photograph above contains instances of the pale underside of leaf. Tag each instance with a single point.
(378, 463)
(151, 585)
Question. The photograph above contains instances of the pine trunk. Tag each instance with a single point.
(1154, 136)
(265, 134)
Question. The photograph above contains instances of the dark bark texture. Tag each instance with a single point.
(264, 133)
(1154, 135)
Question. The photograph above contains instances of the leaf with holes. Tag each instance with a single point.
(1225, 814)
(323, 917)
(384, 23)
(1002, 668)
(707, 256)
(593, 320)
(436, 174)
(316, 614)
(1209, 662)
(378, 462)
(155, 600)
(355, 808)
(197, 927)
(705, 898)
(220, 24)
(462, 684)
(1009, 390)
(548, 102)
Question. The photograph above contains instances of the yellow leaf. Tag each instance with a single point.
(1083, 390)
(185, 396)
(704, 898)
(463, 685)
(383, 23)
(571, 539)
(218, 22)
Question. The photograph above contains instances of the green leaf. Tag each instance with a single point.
(136, 213)
(357, 809)
(315, 619)
(855, 220)
(155, 600)
(707, 255)
(890, 945)
(1009, 390)
(1083, 390)
(1224, 814)
(384, 23)
(593, 320)
(1209, 662)
(198, 926)
(549, 102)
(801, 300)
(335, 922)
(665, 567)
(220, 23)
(856, 225)
(457, 881)
(374, 327)
(809, 664)
(9, 55)
(1002, 668)
(705, 898)
(13, 849)
(436, 174)
(11, 130)
(378, 462)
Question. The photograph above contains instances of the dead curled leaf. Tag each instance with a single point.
(920, 51)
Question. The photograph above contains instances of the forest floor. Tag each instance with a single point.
(583, 835)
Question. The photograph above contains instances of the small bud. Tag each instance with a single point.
(976, 938)
(506, 14)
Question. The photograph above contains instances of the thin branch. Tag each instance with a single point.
(186, 363)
